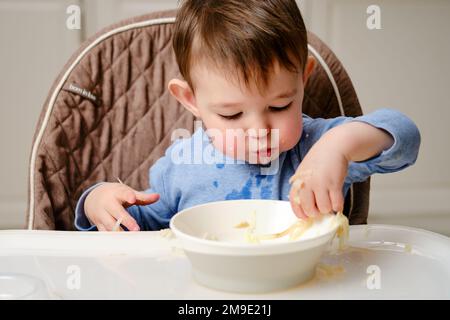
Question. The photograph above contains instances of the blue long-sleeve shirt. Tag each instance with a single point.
(183, 179)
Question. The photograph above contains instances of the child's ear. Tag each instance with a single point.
(181, 90)
(309, 68)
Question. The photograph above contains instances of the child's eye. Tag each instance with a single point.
(276, 109)
(232, 117)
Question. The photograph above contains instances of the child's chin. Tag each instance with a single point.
(262, 160)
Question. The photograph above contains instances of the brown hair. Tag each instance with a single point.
(243, 36)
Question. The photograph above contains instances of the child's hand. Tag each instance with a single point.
(105, 205)
(318, 181)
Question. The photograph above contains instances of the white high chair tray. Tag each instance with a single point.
(382, 262)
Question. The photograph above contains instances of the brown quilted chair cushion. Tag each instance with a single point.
(121, 123)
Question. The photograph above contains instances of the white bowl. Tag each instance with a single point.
(223, 259)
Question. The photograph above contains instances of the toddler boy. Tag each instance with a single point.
(245, 65)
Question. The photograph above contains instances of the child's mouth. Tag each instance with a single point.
(265, 153)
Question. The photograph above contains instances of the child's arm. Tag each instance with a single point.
(349, 150)
(362, 141)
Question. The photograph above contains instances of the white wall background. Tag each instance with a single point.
(403, 66)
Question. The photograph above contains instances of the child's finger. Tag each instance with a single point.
(299, 211)
(100, 227)
(337, 200)
(308, 202)
(296, 207)
(143, 199)
(323, 200)
(126, 195)
(108, 222)
(119, 213)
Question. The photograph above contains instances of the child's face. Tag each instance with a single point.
(263, 124)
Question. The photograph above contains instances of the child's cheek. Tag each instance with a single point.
(290, 134)
(232, 145)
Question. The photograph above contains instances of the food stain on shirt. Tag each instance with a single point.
(259, 178)
(245, 192)
(266, 190)
(261, 182)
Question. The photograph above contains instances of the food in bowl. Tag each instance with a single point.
(227, 261)
(296, 230)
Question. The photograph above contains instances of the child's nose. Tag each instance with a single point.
(257, 133)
